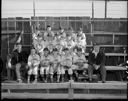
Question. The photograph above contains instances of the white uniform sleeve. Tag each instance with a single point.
(29, 60)
(38, 59)
(74, 58)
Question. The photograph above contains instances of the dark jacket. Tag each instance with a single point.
(98, 60)
(17, 57)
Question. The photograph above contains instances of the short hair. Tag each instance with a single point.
(95, 44)
(48, 26)
(37, 28)
(65, 49)
(79, 49)
(55, 50)
(33, 49)
(60, 28)
(46, 49)
(70, 28)
(80, 29)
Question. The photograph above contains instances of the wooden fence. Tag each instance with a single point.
(109, 90)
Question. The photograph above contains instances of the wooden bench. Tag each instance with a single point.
(123, 68)
(116, 69)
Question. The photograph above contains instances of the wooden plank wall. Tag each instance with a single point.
(70, 86)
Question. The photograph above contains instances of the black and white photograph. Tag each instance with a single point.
(64, 49)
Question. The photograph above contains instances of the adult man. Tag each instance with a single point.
(18, 60)
(96, 61)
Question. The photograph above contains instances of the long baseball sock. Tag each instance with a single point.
(28, 80)
(58, 77)
(51, 77)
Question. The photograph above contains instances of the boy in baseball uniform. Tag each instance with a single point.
(55, 67)
(79, 61)
(81, 39)
(49, 34)
(45, 64)
(33, 64)
(66, 62)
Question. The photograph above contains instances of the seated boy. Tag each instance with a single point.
(79, 61)
(33, 64)
(55, 64)
(70, 42)
(45, 64)
(66, 62)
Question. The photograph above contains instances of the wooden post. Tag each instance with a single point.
(113, 38)
(47, 90)
(70, 90)
(9, 91)
(8, 35)
(22, 39)
(127, 9)
(34, 16)
(34, 8)
(105, 8)
(92, 10)
(88, 91)
(92, 22)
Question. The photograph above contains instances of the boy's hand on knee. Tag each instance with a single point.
(97, 67)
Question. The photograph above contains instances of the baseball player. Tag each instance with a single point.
(66, 62)
(45, 64)
(49, 35)
(81, 39)
(79, 61)
(56, 59)
(33, 64)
